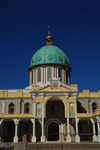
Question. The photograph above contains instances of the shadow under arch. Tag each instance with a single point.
(7, 130)
(25, 127)
(85, 129)
(50, 121)
(54, 98)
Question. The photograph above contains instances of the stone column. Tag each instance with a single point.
(98, 126)
(77, 137)
(34, 137)
(42, 137)
(16, 121)
(94, 138)
(1, 120)
(68, 137)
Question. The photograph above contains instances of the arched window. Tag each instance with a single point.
(39, 75)
(49, 73)
(26, 108)
(11, 108)
(94, 106)
(60, 73)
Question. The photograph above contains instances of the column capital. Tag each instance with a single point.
(42, 95)
(16, 121)
(42, 102)
(33, 95)
(75, 95)
(67, 95)
(98, 118)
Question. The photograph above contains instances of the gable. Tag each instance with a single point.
(63, 88)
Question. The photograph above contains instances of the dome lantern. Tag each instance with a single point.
(49, 39)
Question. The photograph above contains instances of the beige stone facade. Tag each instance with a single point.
(50, 108)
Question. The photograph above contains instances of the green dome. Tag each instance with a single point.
(49, 54)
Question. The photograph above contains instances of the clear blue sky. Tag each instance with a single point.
(75, 27)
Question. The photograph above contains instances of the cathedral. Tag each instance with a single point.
(50, 108)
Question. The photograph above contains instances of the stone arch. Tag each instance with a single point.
(51, 120)
(55, 97)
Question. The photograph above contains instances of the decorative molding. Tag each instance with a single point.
(44, 86)
(12, 91)
(26, 91)
(68, 86)
(54, 93)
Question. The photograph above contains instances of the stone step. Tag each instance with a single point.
(59, 146)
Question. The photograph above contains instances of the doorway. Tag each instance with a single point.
(53, 131)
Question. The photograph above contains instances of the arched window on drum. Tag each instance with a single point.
(94, 106)
(38, 110)
(49, 73)
(39, 75)
(60, 73)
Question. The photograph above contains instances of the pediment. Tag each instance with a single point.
(62, 88)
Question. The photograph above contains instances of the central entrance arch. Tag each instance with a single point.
(53, 131)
